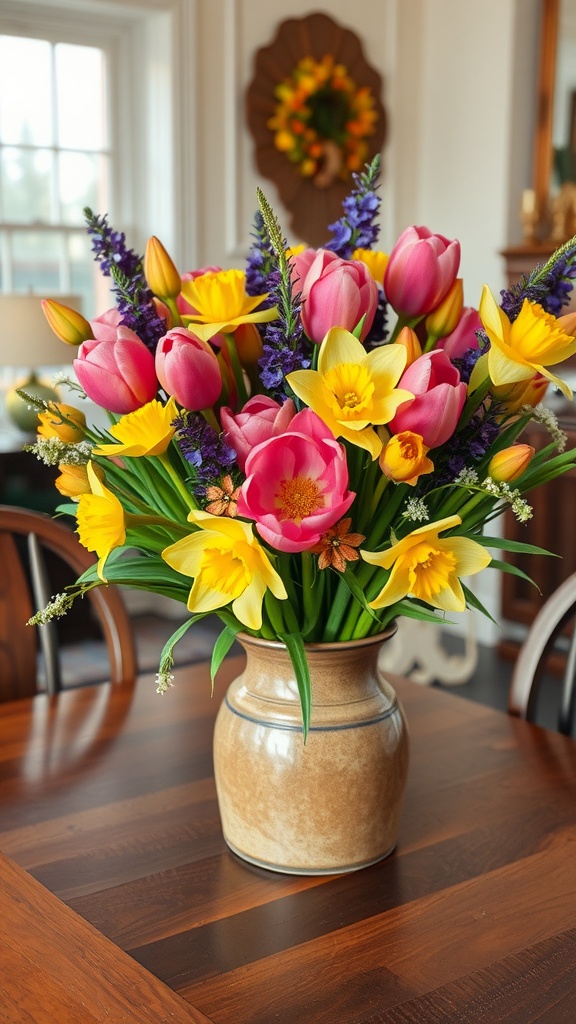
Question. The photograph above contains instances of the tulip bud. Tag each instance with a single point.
(409, 340)
(421, 270)
(567, 324)
(62, 421)
(512, 397)
(188, 369)
(165, 314)
(68, 325)
(161, 274)
(444, 319)
(248, 343)
(510, 463)
(73, 480)
(404, 458)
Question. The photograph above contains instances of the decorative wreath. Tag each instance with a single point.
(314, 110)
(322, 120)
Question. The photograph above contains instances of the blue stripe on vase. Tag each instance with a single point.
(314, 728)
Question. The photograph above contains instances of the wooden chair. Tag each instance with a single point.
(28, 542)
(554, 616)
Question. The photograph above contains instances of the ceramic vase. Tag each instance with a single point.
(330, 804)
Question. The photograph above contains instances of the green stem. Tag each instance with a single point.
(175, 317)
(210, 417)
(236, 370)
(133, 521)
(474, 402)
(178, 483)
(403, 321)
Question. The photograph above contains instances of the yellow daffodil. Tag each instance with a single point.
(221, 303)
(353, 389)
(533, 342)
(228, 565)
(375, 260)
(62, 421)
(148, 431)
(100, 520)
(428, 568)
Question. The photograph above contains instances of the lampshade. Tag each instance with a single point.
(26, 339)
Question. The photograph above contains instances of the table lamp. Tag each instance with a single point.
(29, 344)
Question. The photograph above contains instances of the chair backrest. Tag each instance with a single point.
(555, 614)
(25, 589)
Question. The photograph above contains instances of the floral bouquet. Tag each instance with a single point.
(312, 446)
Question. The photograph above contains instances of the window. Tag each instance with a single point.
(55, 159)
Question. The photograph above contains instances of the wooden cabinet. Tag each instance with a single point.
(522, 259)
(553, 528)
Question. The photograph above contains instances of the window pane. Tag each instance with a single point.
(25, 91)
(84, 273)
(36, 261)
(82, 183)
(80, 97)
(25, 185)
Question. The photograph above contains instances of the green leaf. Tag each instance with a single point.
(509, 567)
(295, 647)
(512, 545)
(221, 648)
(473, 602)
(357, 593)
(166, 656)
(411, 610)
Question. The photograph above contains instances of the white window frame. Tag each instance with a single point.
(148, 44)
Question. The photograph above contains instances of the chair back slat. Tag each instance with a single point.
(22, 592)
(47, 632)
(18, 642)
(555, 615)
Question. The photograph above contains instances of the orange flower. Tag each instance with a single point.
(223, 500)
(337, 546)
(404, 458)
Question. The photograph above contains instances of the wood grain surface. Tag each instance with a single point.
(107, 798)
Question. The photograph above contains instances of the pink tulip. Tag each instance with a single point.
(439, 398)
(259, 420)
(336, 293)
(117, 375)
(421, 270)
(188, 369)
(296, 485)
(105, 327)
(463, 337)
(300, 266)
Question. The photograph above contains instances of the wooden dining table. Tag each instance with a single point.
(119, 900)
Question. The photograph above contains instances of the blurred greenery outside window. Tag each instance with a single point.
(55, 159)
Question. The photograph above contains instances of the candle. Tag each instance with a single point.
(529, 201)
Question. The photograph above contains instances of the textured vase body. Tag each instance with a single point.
(331, 804)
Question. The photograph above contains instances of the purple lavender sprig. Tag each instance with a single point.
(285, 347)
(356, 228)
(126, 268)
(204, 450)
(549, 284)
(262, 274)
